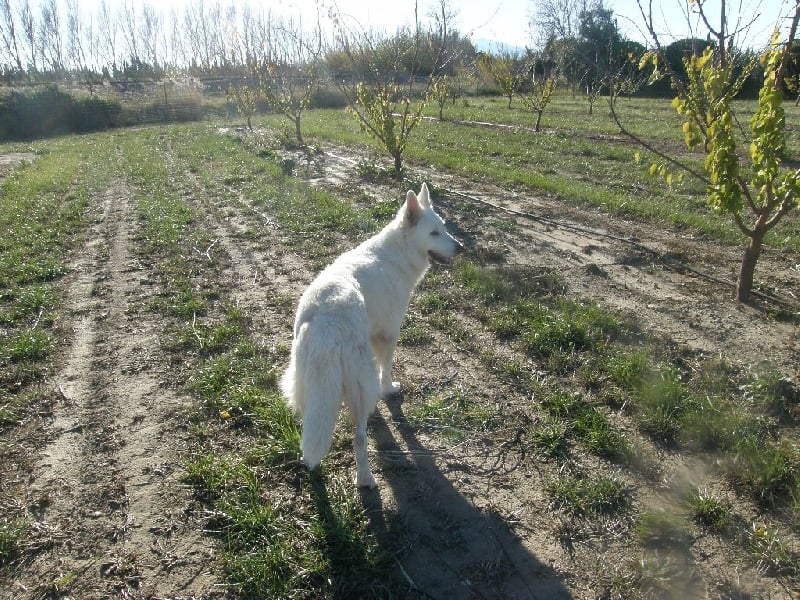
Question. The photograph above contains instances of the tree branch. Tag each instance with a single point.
(650, 148)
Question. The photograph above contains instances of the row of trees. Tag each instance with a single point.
(54, 39)
(50, 40)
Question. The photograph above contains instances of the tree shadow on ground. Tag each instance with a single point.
(445, 547)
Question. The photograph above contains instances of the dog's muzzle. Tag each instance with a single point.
(441, 258)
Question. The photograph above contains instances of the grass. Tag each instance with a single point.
(452, 415)
(605, 375)
(662, 529)
(11, 532)
(43, 213)
(607, 390)
(586, 496)
(709, 510)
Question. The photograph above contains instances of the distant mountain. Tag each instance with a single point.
(492, 46)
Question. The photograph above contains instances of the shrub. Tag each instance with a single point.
(95, 114)
(49, 111)
(328, 97)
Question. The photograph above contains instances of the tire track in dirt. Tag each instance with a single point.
(114, 519)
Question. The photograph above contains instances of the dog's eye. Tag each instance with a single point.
(434, 233)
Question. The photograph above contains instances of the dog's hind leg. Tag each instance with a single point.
(362, 402)
(364, 477)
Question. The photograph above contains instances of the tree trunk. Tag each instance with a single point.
(744, 286)
(297, 131)
(398, 166)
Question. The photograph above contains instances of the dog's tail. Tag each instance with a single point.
(313, 385)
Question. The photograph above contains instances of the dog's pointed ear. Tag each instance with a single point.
(424, 196)
(412, 208)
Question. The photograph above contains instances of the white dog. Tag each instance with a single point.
(347, 326)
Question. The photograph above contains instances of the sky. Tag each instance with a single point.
(507, 21)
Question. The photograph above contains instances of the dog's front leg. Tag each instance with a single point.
(384, 347)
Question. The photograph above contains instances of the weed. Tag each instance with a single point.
(768, 470)
(11, 533)
(661, 402)
(628, 368)
(589, 425)
(414, 335)
(584, 496)
(772, 393)
(26, 346)
(716, 424)
(772, 552)
(488, 285)
(708, 510)
(549, 437)
(454, 415)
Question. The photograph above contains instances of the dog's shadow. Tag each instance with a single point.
(445, 547)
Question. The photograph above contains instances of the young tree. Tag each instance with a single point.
(506, 69)
(441, 92)
(537, 98)
(756, 196)
(289, 70)
(382, 98)
(246, 97)
(600, 51)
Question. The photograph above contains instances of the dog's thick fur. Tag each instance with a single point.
(347, 326)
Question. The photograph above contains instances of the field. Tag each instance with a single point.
(586, 412)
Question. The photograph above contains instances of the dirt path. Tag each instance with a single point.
(108, 502)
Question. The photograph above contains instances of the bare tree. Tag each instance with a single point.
(130, 32)
(559, 19)
(107, 27)
(149, 31)
(75, 37)
(30, 34)
(176, 41)
(50, 36)
(8, 34)
(202, 33)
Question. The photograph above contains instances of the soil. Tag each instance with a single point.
(112, 518)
